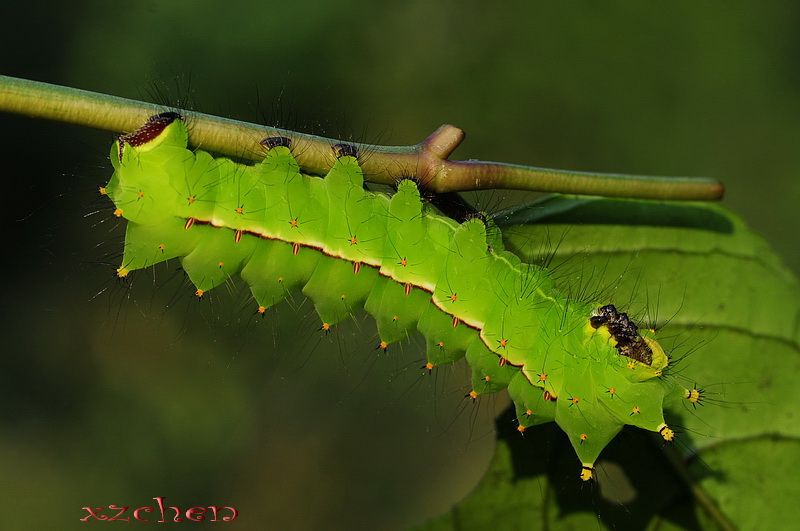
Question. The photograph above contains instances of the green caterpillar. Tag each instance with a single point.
(585, 366)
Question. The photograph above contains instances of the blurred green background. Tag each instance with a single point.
(113, 395)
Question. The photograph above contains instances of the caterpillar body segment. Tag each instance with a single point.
(582, 365)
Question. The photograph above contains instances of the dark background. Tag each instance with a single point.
(114, 394)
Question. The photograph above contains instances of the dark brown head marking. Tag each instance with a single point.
(275, 141)
(155, 126)
(345, 150)
(625, 332)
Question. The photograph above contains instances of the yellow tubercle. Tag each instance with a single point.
(693, 395)
(587, 472)
(122, 272)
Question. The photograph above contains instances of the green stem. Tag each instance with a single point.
(426, 160)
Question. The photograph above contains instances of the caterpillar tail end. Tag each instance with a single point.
(587, 472)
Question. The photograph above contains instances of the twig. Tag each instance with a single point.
(428, 160)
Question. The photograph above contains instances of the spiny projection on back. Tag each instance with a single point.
(583, 365)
